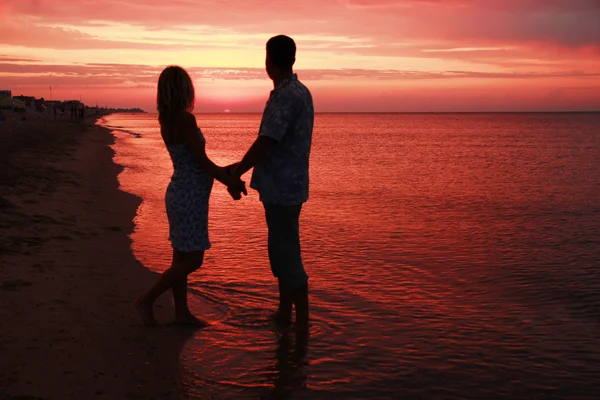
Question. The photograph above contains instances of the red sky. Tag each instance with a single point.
(355, 55)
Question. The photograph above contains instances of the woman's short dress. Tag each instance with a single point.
(186, 201)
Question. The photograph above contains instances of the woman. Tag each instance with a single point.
(187, 194)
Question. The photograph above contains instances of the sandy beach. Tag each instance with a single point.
(68, 328)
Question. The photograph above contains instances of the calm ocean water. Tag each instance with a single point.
(450, 256)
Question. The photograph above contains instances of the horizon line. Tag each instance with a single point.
(413, 112)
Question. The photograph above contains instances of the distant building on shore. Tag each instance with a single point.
(28, 100)
(6, 101)
(72, 104)
(40, 104)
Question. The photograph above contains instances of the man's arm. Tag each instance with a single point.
(274, 125)
(257, 153)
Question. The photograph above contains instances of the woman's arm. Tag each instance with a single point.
(189, 129)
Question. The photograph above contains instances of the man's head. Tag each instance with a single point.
(281, 55)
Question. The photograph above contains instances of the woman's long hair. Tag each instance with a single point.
(175, 94)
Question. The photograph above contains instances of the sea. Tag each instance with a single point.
(451, 256)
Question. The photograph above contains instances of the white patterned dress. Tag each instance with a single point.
(186, 201)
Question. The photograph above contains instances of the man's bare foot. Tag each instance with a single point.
(300, 297)
(191, 320)
(302, 328)
(145, 311)
(283, 316)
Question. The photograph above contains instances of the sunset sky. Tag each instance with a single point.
(354, 55)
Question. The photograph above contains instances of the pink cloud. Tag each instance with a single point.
(526, 34)
(571, 23)
(548, 46)
(114, 74)
(34, 36)
(8, 59)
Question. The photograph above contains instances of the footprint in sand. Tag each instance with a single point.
(63, 237)
(15, 284)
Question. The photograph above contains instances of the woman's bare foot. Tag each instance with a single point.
(145, 311)
(190, 319)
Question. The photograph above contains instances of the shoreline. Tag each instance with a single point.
(69, 328)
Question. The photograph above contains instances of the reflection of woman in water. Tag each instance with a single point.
(187, 194)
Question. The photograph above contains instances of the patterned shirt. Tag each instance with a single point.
(288, 118)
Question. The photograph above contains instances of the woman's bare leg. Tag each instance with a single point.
(180, 297)
(174, 278)
(183, 315)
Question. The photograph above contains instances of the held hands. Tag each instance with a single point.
(237, 186)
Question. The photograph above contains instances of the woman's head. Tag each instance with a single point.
(175, 92)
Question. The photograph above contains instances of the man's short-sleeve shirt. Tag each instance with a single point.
(288, 118)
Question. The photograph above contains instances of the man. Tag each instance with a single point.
(280, 159)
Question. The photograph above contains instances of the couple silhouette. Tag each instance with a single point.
(280, 158)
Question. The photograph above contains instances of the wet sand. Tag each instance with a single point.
(68, 278)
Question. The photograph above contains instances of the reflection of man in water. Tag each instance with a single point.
(290, 364)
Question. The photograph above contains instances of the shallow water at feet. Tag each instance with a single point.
(450, 256)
